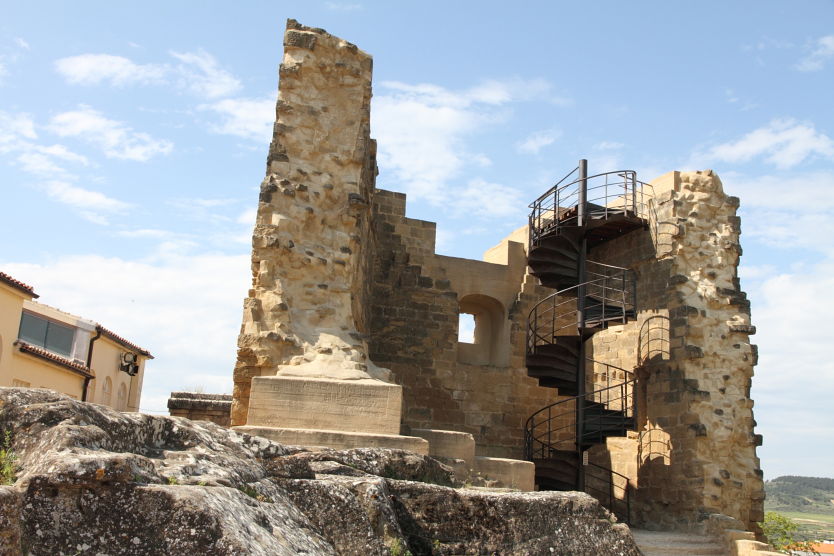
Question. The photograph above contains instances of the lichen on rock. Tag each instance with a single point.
(94, 480)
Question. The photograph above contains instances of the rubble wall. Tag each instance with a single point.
(307, 308)
(696, 449)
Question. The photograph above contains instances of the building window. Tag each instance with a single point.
(121, 398)
(17, 383)
(51, 336)
(107, 391)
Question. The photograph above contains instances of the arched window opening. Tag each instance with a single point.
(489, 340)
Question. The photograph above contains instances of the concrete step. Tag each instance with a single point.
(667, 543)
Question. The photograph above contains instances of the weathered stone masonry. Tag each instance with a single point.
(345, 284)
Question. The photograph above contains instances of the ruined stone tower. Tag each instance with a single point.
(344, 284)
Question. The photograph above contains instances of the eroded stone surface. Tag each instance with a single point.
(94, 480)
(306, 312)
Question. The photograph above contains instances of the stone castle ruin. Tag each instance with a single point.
(611, 353)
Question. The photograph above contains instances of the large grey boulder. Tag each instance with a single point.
(92, 480)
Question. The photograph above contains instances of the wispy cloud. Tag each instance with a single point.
(200, 73)
(783, 143)
(244, 117)
(115, 139)
(90, 205)
(537, 141)
(196, 72)
(423, 129)
(822, 50)
(486, 199)
(93, 69)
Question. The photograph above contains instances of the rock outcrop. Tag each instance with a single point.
(91, 480)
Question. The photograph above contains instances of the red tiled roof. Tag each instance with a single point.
(17, 284)
(41, 353)
(824, 548)
(118, 339)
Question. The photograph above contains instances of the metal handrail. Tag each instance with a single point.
(614, 299)
(540, 444)
(618, 192)
(614, 503)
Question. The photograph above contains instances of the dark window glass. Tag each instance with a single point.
(46, 334)
(32, 330)
(59, 338)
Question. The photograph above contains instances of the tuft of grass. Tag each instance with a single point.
(173, 480)
(252, 493)
(8, 461)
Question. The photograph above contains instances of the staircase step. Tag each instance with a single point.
(666, 543)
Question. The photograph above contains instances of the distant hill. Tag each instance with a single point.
(800, 494)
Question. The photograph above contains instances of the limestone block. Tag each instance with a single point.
(449, 444)
(370, 406)
(510, 473)
(338, 440)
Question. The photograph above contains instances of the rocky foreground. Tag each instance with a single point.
(91, 480)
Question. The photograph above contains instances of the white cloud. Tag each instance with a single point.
(115, 139)
(18, 136)
(92, 69)
(197, 72)
(537, 141)
(490, 200)
(21, 43)
(39, 164)
(823, 51)
(795, 375)
(90, 205)
(14, 127)
(608, 146)
(778, 192)
(185, 309)
(245, 117)
(422, 130)
(783, 143)
(200, 73)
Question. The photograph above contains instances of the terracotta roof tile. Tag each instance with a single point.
(17, 284)
(118, 339)
(41, 353)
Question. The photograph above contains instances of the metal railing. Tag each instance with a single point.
(610, 410)
(607, 194)
(610, 297)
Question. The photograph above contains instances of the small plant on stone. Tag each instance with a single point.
(252, 493)
(396, 548)
(173, 480)
(8, 461)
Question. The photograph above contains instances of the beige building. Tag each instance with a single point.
(43, 347)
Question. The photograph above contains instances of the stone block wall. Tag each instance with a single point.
(414, 332)
(696, 449)
(201, 407)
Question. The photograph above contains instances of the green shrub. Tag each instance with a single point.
(781, 531)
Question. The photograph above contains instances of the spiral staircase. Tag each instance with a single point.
(577, 214)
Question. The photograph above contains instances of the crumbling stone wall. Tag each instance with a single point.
(311, 246)
(414, 331)
(696, 450)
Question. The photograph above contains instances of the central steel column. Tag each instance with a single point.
(581, 277)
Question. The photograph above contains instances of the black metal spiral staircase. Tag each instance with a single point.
(564, 224)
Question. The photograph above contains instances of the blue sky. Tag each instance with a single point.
(133, 139)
